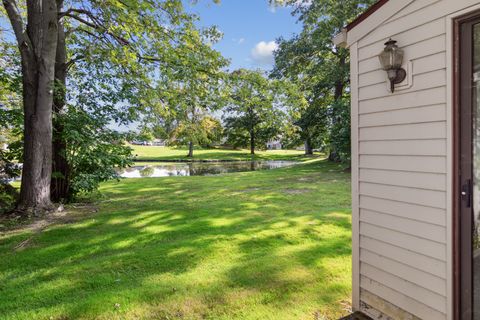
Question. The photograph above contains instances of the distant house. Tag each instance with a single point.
(274, 145)
(416, 159)
(155, 142)
(158, 143)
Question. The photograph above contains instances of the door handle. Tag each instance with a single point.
(466, 193)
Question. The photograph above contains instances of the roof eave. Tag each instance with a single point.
(366, 14)
(340, 39)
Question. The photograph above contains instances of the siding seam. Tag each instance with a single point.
(403, 93)
(402, 217)
(415, 204)
(400, 231)
(380, 268)
(363, 288)
(396, 276)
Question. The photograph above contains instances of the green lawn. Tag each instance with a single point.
(256, 245)
(152, 153)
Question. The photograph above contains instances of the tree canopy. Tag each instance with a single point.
(321, 70)
(107, 62)
(253, 114)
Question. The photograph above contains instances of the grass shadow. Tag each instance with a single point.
(232, 246)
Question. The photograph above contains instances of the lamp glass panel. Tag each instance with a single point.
(397, 58)
(386, 60)
(391, 58)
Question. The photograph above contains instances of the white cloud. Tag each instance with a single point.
(303, 3)
(262, 53)
(297, 3)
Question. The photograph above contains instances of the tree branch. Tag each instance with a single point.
(99, 27)
(73, 10)
(16, 20)
(81, 20)
(160, 60)
(72, 61)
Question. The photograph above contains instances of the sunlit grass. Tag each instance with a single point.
(257, 245)
(155, 153)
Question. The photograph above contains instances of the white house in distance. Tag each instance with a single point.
(274, 145)
(416, 159)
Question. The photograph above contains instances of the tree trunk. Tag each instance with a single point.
(340, 83)
(333, 156)
(252, 142)
(60, 185)
(37, 48)
(337, 95)
(190, 149)
(308, 146)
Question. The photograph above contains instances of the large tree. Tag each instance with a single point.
(311, 60)
(253, 115)
(298, 127)
(36, 37)
(205, 131)
(107, 58)
(127, 45)
(189, 95)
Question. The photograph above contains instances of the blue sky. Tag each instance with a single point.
(250, 28)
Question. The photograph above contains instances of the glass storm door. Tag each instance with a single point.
(476, 172)
(469, 169)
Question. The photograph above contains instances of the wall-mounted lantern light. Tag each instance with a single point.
(391, 59)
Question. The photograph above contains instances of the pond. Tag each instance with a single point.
(169, 169)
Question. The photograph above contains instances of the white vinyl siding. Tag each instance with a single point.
(400, 163)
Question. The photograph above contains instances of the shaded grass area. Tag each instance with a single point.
(154, 153)
(257, 245)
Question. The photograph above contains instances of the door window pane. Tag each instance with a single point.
(476, 172)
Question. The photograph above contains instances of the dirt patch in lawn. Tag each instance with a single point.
(14, 224)
(296, 191)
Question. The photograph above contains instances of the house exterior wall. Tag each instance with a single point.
(401, 162)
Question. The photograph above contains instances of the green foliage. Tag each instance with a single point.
(10, 126)
(214, 132)
(10, 98)
(205, 131)
(237, 135)
(340, 130)
(94, 152)
(8, 196)
(145, 135)
(303, 120)
(10, 144)
(187, 92)
(253, 113)
(99, 100)
(125, 59)
(321, 71)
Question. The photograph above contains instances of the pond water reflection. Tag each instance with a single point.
(169, 169)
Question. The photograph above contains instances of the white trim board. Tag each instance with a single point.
(355, 180)
(384, 13)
